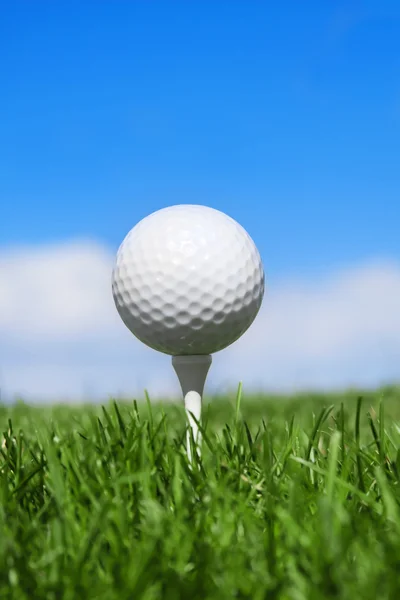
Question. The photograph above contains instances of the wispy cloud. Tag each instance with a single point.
(341, 330)
(61, 338)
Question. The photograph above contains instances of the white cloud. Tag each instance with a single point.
(61, 337)
(341, 330)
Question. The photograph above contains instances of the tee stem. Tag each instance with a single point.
(192, 372)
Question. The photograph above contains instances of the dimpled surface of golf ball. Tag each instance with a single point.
(188, 279)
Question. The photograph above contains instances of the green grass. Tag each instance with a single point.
(292, 498)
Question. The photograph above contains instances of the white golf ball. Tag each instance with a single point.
(188, 279)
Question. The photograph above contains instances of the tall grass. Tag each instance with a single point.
(292, 498)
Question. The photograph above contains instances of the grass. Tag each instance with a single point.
(293, 498)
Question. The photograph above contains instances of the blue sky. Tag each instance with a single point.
(286, 115)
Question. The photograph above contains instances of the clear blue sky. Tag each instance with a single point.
(286, 115)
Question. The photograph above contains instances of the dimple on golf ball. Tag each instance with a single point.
(188, 279)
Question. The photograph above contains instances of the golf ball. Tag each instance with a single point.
(188, 279)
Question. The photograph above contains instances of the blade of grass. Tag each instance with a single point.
(324, 414)
(361, 482)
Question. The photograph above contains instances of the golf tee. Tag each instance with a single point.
(192, 372)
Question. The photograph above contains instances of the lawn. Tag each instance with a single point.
(293, 498)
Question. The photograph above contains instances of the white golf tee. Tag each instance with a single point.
(192, 372)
